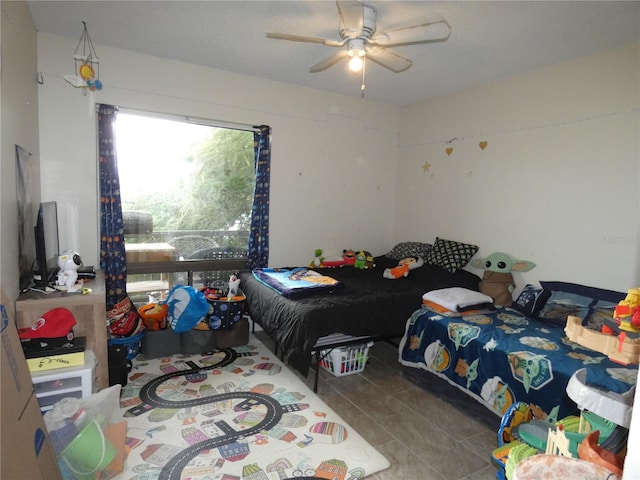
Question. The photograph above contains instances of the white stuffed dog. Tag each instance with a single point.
(69, 262)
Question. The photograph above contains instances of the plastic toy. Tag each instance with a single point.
(497, 281)
(154, 316)
(627, 313)
(234, 287)
(69, 262)
(332, 262)
(590, 451)
(402, 270)
(621, 348)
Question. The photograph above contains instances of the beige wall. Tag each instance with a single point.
(333, 157)
(557, 183)
(562, 147)
(19, 119)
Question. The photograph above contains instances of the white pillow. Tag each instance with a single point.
(457, 299)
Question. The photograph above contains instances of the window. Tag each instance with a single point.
(187, 193)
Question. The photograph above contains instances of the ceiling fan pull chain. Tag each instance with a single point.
(364, 67)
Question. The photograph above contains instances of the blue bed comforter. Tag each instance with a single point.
(502, 357)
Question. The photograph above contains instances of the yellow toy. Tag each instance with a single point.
(627, 313)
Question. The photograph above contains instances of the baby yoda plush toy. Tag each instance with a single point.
(497, 281)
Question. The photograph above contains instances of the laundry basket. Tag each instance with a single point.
(343, 361)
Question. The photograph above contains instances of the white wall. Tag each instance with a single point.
(19, 120)
(557, 183)
(333, 157)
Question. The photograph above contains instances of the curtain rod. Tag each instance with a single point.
(190, 119)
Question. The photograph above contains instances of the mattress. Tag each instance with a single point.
(369, 304)
(501, 357)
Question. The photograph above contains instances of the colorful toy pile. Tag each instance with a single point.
(620, 336)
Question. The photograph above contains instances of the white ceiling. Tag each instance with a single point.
(489, 39)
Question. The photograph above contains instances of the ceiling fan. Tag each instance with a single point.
(358, 33)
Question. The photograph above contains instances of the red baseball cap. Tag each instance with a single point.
(53, 324)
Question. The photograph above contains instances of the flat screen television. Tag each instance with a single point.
(47, 245)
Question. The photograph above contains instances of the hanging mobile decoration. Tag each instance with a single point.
(87, 65)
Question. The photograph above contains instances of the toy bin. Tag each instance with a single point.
(341, 361)
(225, 311)
(132, 344)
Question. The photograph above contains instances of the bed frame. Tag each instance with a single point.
(370, 306)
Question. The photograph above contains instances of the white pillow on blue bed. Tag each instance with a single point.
(458, 299)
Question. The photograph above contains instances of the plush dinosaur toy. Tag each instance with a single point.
(317, 259)
(497, 281)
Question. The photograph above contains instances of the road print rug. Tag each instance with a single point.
(235, 414)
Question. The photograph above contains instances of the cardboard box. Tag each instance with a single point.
(16, 381)
(28, 453)
(24, 441)
(149, 252)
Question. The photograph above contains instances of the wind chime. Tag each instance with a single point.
(87, 65)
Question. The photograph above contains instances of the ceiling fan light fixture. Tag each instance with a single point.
(356, 54)
(356, 62)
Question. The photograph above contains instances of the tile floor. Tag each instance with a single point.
(423, 436)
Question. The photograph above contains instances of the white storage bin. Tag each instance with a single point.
(341, 361)
(52, 386)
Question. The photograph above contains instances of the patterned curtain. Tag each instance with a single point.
(259, 231)
(112, 253)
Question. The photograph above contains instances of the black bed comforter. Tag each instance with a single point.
(370, 305)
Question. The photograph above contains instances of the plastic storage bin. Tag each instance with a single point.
(341, 361)
(52, 386)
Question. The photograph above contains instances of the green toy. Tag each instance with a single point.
(361, 260)
(497, 281)
(317, 260)
(364, 260)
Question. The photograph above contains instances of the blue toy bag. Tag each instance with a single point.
(186, 307)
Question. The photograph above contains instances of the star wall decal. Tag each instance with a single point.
(426, 167)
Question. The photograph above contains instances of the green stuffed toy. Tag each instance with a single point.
(317, 260)
(497, 281)
(364, 260)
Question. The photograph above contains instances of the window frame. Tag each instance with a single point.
(188, 266)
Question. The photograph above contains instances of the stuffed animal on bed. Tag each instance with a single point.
(364, 260)
(402, 270)
(497, 281)
(349, 257)
(317, 258)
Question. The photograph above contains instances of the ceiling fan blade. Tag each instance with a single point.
(388, 59)
(351, 18)
(328, 62)
(302, 38)
(428, 32)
